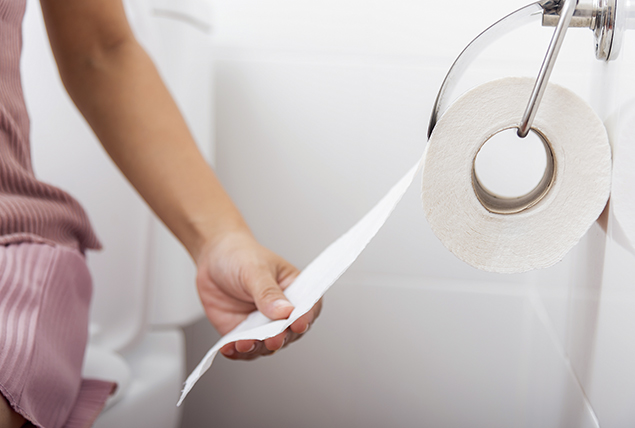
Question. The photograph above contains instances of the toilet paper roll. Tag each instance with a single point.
(535, 231)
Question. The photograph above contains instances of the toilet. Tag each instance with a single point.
(144, 280)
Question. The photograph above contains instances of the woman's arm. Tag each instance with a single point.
(117, 88)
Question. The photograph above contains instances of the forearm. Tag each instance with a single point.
(121, 95)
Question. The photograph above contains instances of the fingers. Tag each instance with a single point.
(268, 295)
(251, 349)
(246, 346)
(277, 342)
(302, 324)
(258, 349)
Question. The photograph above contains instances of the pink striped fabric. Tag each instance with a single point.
(44, 299)
(45, 286)
(30, 210)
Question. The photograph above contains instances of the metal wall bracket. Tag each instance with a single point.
(599, 16)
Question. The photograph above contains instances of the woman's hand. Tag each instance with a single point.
(236, 275)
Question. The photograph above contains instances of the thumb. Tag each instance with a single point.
(267, 295)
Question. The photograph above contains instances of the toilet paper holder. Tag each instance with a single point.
(599, 16)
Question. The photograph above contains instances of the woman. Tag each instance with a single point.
(44, 284)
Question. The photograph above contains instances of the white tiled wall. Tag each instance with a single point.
(321, 107)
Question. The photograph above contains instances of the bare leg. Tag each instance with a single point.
(8, 417)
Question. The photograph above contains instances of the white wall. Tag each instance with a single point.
(321, 107)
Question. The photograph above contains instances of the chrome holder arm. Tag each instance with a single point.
(522, 16)
(547, 67)
(599, 17)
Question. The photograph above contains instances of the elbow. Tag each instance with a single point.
(89, 60)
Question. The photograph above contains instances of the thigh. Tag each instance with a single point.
(9, 418)
(44, 299)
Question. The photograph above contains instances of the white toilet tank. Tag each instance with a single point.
(177, 35)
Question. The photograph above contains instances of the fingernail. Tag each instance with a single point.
(305, 328)
(252, 349)
(282, 304)
(228, 353)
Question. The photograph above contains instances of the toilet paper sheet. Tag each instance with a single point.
(315, 279)
(536, 237)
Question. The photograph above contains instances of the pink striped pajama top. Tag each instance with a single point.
(29, 209)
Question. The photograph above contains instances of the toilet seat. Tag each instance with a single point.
(157, 367)
(110, 366)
